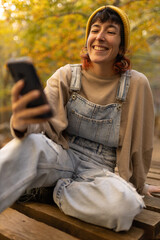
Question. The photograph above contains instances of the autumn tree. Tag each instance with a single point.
(7, 49)
(52, 31)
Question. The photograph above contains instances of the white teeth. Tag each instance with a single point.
(99, 48)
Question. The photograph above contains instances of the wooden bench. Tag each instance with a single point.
(41, 221)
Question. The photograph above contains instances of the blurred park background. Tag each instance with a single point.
(52, 33)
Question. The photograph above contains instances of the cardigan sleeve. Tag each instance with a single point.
(135, 151)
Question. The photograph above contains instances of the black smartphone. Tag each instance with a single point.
(23, 68)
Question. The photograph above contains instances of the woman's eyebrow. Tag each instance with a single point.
(112, 26)
(95, 25)
(109, 26)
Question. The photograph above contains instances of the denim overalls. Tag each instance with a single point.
(92, 125)
(85, 185)
(95, 194)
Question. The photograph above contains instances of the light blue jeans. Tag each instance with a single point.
(84, 189)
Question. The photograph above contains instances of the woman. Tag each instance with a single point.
(103, 117)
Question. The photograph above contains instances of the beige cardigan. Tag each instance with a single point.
(137, 120)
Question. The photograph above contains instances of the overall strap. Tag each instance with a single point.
(76, 77)
(123, 86)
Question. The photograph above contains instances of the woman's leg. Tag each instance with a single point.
(99, 197)
(32, 162)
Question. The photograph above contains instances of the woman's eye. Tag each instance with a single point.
(110, 32)
(94, 31)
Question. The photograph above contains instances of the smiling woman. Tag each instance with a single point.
(103, 117)
(103, 45)
(115, 27)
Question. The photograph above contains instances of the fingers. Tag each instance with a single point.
(153, 189)
(20, 102)
(16, 90)
(148, 193)
(23, 101)
(29, 113)
(23, 116)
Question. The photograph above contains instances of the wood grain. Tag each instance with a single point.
(52, 216)
(16, 226)
(149, 221)
(152, 203)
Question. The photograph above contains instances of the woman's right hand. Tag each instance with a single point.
(23, 116)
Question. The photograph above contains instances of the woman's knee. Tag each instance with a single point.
(93, 203)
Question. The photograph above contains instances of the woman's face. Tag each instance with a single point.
(103, 42)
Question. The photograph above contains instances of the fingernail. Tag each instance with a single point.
(36, 93)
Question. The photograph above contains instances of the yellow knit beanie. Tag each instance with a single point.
(123, 17)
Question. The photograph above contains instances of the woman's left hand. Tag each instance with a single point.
(153, 189)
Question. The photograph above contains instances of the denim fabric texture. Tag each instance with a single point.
(85, 184)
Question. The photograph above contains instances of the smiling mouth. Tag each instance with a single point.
(100, 48)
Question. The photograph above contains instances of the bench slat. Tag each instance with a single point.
(153, 175)
(154, 170)
(153, 181)
(152, 203)
(52, 216)
(149, 221)
(16, 226)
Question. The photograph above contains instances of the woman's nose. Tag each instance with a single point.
(100, 36)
